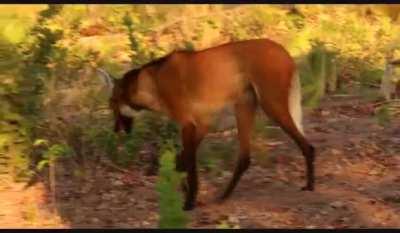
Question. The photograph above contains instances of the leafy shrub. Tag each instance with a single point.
(383, 115)
(315, 70)
(171, 201)
(52, 153)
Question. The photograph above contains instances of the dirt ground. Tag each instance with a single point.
(357, 183)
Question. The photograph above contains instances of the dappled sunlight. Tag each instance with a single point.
(62, 165)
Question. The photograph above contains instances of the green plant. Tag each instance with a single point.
(53, 153)
(383, 115)
(139, 53)
(171, 201)
(50, 157)
(38, 52)
(15, 129)
(216, 155)
(260, 126)
(315, 71)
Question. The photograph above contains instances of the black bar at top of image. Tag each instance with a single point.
(199, 2)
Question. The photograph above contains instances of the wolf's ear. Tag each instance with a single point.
(107, 79)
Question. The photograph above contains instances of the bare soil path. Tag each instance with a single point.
(357, 183)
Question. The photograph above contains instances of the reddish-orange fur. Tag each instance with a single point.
(191, 87)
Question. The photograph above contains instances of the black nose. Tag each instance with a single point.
(128, 130)
(123, 123)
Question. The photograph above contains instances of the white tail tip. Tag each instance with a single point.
(295, 108)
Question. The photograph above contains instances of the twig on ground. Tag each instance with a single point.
(344, 95)
(366, 83)
(385, 102)
(115, 167)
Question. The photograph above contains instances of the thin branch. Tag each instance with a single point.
(115, 167)
(367, 83)
(385, 102)
(344, 95)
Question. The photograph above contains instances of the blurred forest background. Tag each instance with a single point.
(56, 129)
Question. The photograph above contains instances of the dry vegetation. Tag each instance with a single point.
(62, 166)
